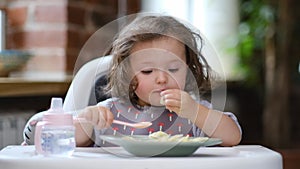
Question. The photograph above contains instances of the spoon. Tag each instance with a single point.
(139, 125)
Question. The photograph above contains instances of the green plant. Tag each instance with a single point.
(256, 18)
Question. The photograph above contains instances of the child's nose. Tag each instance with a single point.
(161, 76)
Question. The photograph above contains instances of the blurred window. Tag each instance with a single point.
(217, 19)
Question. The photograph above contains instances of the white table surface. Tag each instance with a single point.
(239, 157)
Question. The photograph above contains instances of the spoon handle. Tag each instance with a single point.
(123, 123)
(139, 125)
(114, 121)
(134, 125)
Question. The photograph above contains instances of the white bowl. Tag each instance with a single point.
(143, 146)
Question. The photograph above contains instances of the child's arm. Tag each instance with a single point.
(212, 122)
(224, 128)
(92, 116)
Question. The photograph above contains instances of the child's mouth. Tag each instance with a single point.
(161, 90)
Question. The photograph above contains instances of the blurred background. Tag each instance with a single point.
(257, 42)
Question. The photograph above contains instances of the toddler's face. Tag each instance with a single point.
(158, 65)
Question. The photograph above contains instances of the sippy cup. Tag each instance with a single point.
(54, 135)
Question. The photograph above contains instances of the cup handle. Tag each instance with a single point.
(37, 137)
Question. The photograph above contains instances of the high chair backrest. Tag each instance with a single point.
(83, 89)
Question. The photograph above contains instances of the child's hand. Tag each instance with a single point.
(99, 116)
(181, 103)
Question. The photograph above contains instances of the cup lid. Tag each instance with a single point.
(56, 115)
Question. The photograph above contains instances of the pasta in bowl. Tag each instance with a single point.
(160, 144)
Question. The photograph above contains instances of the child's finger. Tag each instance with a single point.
(109, 118)
(104, 118)
(175, 96)
(95, 116)
(172, 102)
(101, 119)
(173, 109)
(169, 91)
(87, 114)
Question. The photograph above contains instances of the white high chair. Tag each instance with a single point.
(81, 93)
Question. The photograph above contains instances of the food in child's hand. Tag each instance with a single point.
(162, 101)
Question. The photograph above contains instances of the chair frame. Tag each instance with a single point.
(82, 89)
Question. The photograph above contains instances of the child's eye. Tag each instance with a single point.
(146, 71)
(173, 70)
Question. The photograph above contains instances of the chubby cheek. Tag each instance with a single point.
(177, 82)
(181, 84)
(181, 79)
(143, 90)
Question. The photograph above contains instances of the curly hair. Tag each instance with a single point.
(148, 28)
